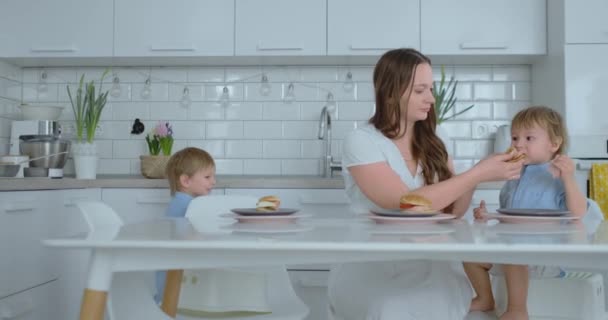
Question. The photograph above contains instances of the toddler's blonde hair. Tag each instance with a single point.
(187, 161)
(546, 118)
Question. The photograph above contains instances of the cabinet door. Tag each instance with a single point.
(483, 27)
(586, 21)
(280, 27)
(586, 76)
(174, 28)
(311, 287)
(364, 27)
(60, 28)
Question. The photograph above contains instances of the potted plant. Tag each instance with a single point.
(445, 100)
(87, 104)
(160, 143)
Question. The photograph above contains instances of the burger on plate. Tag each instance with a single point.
(410, 203)
(268, 204)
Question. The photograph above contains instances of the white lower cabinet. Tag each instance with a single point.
(311, 287)
(33, 304)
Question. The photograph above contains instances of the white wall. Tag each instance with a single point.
(258, 134)
(10, 95)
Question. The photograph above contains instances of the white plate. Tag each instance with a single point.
(410, 219)
(255, 212)
(529, 219)
(265, 218)
(533, 212)
(267, 228)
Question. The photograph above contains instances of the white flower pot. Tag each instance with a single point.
(443, 134)
(85, 160)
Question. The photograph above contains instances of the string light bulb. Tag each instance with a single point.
(43, 86)
(290, 95)
(330, 103)
(348, 84)
(265, 86)
(147, 90)
(225, 97)
(185, 101)
(116, 90)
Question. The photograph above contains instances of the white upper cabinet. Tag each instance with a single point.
(363, 27)
(59, 28)
(586, 74)
(280, 27)
(174, 28)
(586, 21)
(483, 27)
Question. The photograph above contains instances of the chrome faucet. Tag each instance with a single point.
(329, 165)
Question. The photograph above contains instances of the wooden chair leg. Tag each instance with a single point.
(93, 304)
(173, 285)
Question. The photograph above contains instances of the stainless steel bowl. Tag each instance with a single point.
(9, 170)
(41, 147)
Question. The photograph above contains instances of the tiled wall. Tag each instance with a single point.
(10, 96)
(255, 134)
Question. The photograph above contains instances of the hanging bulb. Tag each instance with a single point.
(330, 103)
(185, 101)
(147, 90)
(349, 84)
(265, 86)
(290, 95)
(225, 97)
(116, 89)
(43, 86)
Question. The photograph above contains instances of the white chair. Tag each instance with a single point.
(131, 293)
(204, 214)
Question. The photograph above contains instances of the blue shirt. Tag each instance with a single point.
(178, 205)
(535, 189)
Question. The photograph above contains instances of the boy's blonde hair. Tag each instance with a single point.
(546, 118)
(187, 161)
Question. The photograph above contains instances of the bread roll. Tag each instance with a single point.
(414, 202)
(268, 203)
(517, 158)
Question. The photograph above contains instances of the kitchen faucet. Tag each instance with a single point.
(329, 165)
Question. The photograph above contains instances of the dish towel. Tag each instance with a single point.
(598, 185)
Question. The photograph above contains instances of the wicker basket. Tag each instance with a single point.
(154, 166)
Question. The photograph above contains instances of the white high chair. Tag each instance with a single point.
(131, 293)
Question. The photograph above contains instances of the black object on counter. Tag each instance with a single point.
(138, 127)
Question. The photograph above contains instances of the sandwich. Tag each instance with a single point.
(415, 203)
(517, 158)
(268, 204)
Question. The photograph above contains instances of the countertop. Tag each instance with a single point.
(223, 182)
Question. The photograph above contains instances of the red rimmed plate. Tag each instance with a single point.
(255, 212)
(411, 219)
(531, 219)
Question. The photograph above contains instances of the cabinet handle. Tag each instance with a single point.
(54, 49)
(261, 47)
(18, 207)
(483, 45)
(357, 48)
(182, 49)
(150, 200)
(72, 201)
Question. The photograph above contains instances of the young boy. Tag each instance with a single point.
(191, 173)
(546, 182)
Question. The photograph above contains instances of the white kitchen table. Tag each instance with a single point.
(176, 244)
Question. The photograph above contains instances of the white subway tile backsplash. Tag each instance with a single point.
(123, 94)
(262, 130)
(461, 166)
(273, 149)
(281, 111)
(262, 167)
(244, 149)
(253, 133)
(224, 130)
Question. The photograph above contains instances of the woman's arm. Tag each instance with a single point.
(384, 187)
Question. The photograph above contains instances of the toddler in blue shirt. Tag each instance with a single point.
(191, 173)
(546, 182)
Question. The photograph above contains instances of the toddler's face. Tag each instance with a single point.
(201, 183)
(535, 143)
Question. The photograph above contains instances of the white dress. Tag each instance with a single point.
(395, 290)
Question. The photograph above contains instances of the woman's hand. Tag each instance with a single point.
(480, 212)
(496, 168)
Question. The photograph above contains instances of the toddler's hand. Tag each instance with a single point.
(480, 212)
(562, 167)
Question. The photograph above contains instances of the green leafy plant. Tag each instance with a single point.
(445, 98)
(87, 106)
